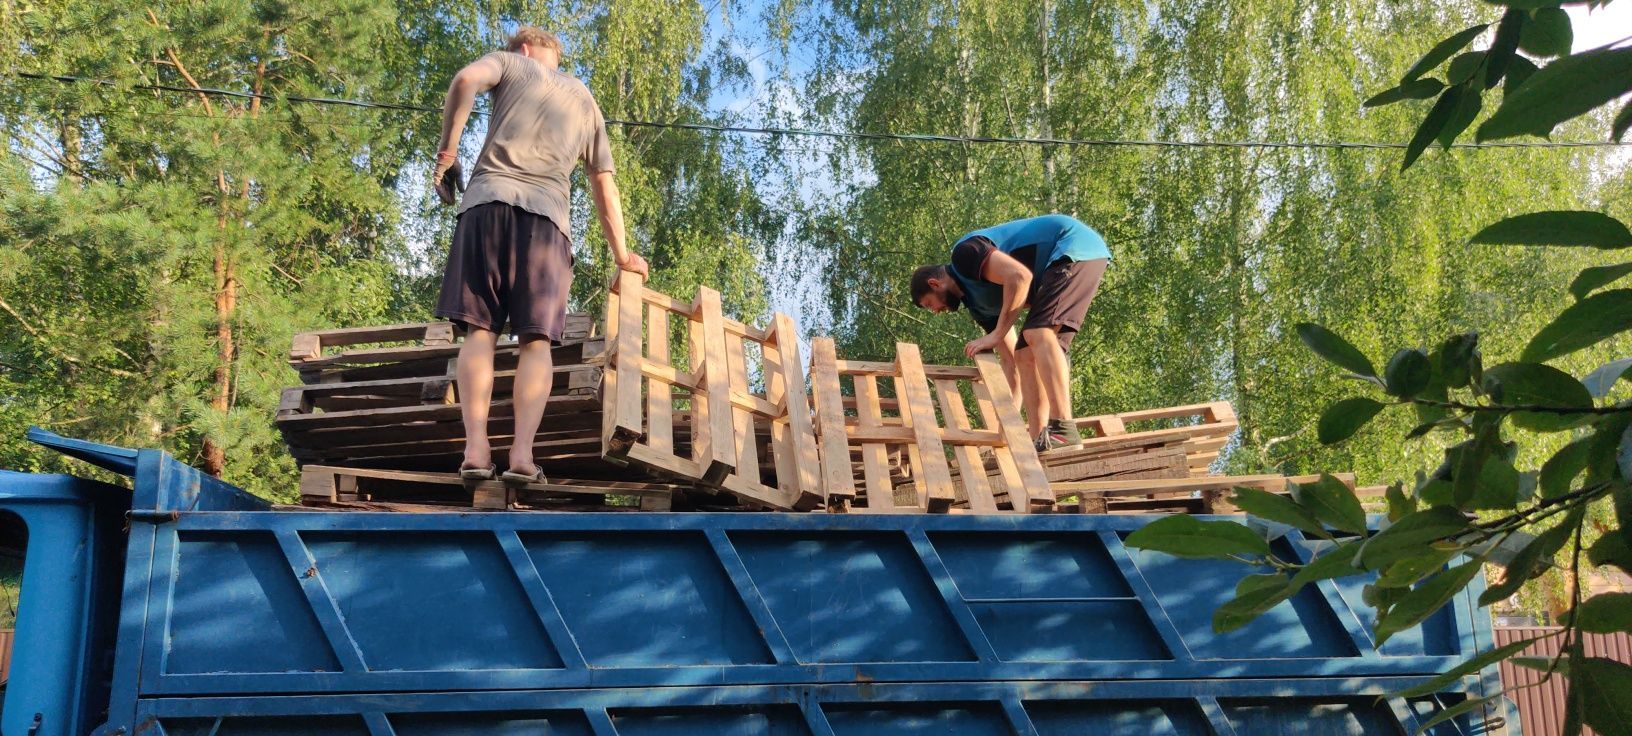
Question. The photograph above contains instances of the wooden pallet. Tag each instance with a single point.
(434, 344)
(727, 413)
(327, 484)
(1202, 429)
(1214, 490)
(938, 449)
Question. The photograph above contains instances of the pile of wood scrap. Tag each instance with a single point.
(675, 406)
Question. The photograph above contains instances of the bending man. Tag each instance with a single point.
(511, 260)
(1052, 264)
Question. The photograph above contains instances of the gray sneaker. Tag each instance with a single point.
(1049, 441)
(1067, 431)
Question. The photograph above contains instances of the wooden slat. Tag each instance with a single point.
(874, 457)
(1010, 483)
(931, 452)
(885, 370)
(788, 382)
(1030, 468)
(717, 456)
(659, 395)
(971, 468)
(745, 450)
(1175, 485)
(838, 482)
(624, 401)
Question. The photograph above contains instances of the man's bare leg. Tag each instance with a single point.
(475, 378)
(1052, 370)
(1036, 402)
(534, 378)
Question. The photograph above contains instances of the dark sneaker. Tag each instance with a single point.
(1067, 431)
(1050, 440)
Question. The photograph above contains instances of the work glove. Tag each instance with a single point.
(446, 178)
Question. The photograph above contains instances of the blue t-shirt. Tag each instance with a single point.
(1035, 241)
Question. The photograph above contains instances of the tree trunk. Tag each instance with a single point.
(1044, 22)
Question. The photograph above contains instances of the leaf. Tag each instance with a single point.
(1337, 563)
(1333, 503)
(1411, 570)
(1277, 508)
(1467, 108)
(1547, 34)
(1560, 470)
(1504, 48)
(1254, 595)
(1442, 51)
(1410, 535)
(1186, 536)
(1415, 607)
(1583, 324)
(1558, 227)
(1605, 613)
(1611, 549)
(1407, 373)
(1520, 384)
(1460, 360)
(1420, 89)
(1519, 70)
(1565, 89)
(1605, 690)
(1531, 561)
(1342, 419)
(1600, 382)
(1462, 68)
(1466, 706)
(1590, 279)
(1436, 120)
(1469, 460)
(1483, 660)
(1399, 504)
(1329, 345)
(1623, 120)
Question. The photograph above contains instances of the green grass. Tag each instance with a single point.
(10, 579)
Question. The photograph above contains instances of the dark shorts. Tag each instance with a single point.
(507, 265)
(1061, 297)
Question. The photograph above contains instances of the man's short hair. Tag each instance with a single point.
(920, 281)
(536, 37)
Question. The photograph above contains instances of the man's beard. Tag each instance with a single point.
(952, 302)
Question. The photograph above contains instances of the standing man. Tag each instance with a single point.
(1052, 264)
(511, 260)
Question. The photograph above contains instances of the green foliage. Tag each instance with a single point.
(1423, 558)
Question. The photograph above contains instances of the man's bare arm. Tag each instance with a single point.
(477, 77)
(608, 204)
(1002, 269)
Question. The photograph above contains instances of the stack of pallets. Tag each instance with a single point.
(675, 406)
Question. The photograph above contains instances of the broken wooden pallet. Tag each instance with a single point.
(321, 483)
(568, 380)
(932, 430)
(645, 380)
(1202, 429)
(1213, 489)
(434, 345)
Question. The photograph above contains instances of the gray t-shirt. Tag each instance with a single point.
(543, 123)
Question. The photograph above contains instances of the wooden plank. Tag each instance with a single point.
(931, 466)
(796, 407)
(659, 395)
(838, 482)
(626, 425)
(885, 370)
(713, 435)
(1275, 483)
(1010, 484)
(1032, 479)
(971, 468)
(745, 449)
(874, 457)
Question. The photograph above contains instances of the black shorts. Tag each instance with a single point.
(507, 265)
(1060, 297)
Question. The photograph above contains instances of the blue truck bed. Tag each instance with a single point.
(234, 619)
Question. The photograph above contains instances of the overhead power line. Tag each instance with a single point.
(853, 135)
